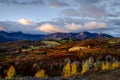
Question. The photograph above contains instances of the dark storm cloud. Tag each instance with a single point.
(25, 2)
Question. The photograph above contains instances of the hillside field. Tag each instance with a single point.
(96, 59)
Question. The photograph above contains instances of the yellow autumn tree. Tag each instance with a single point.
(41, 74)
(115, 64)
(74, 69)
(11, 72)
(67, 70)
(85, 67)
(90, 61)
(105, 66)
(95, 66)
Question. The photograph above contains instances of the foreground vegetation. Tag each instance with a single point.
(93, 58)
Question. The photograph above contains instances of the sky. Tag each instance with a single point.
(50, 16)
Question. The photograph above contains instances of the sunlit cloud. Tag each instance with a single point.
(95, 25)
(54, 6)
(25, 22)
(74, 27)
(86, 26)
(67, 16)
(71, 27)
(2, 28)
(49, 28)
(57, 3)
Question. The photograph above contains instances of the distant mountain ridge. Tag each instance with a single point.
(81, 35)
(15, 36)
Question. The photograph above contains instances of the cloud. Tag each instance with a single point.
(109, 25)
(84, 11)
(88, 1)
(70, 12)
(111, 7)
(86, 26)
(11, 26)
(25, 22)
(115, 22)
(74, 27)
(22, 2)
(2, 28)
(57, 3)
(49, 28)
(51, 3)
(93, 8)
(94, 25)
(91, 11)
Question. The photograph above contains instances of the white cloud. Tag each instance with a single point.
(49, 28)
(2, 28)
(57, 4)
(91, 11)
(73, 27)
(54, 6)
(86, 26)
(25, 22)
(94, 25)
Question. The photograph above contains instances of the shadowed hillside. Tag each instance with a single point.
(62, 58)
(16, 36)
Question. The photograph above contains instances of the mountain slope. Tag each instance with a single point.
(81, 35)
(15, 36)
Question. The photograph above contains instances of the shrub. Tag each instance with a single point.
(3, 49)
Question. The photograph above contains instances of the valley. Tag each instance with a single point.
(62, 58)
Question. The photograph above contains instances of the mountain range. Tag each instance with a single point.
(15, 36)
